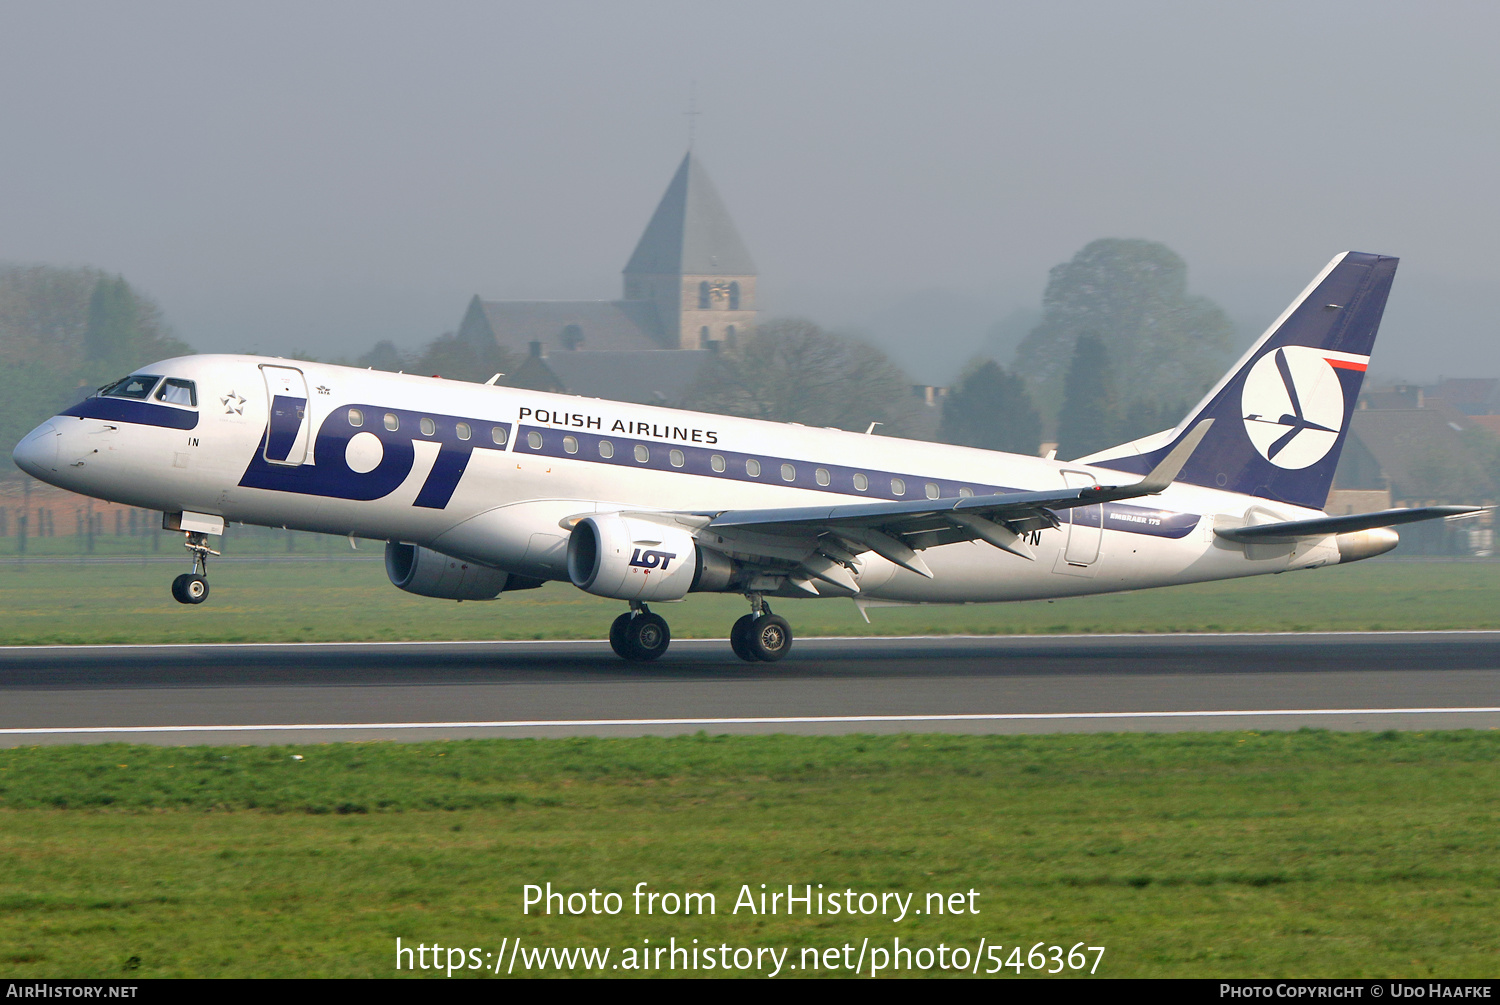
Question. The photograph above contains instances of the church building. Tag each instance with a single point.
(689, 285)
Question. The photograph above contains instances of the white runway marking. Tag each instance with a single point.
(789, 720)
(1018, 637)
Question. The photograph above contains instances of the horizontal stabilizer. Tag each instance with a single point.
(1292, 530)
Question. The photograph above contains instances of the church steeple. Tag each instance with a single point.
(693, 264)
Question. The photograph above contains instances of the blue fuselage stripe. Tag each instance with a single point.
(700, 460)
(139, 413)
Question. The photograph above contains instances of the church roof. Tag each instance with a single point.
(602, 324)
(691, 233)
(1418, 449)
(650, 379)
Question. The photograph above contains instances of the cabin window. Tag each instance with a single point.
(717, 463)
(534, 440)
(428, 426)
(175, 391)
(965, 493)
(463, 430)
(606, 449)
(752, 468)
(391, 422)
(861, 483)
(788, 473)
(734, 296)
(642, 453)
(703, 296)
(678, 459)
(570, 444)
(822, 476)
(137, 385)
(898, 487)
(932, 490)
(497, 433)
(356, 417)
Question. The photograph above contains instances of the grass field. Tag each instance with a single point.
(347, 598)
(1246, 855)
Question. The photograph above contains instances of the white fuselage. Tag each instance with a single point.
(507, 505)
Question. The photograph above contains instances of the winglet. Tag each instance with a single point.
(1166, 472)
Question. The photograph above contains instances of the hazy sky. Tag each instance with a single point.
(324, 175)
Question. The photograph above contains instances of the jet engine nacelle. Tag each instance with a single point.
(429, 573)
(627, 558)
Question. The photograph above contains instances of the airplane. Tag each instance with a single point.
(481, 489)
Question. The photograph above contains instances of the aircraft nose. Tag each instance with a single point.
(37, 453)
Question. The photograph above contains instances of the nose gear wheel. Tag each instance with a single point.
(192, 587)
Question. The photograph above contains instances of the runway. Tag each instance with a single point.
(236, 694)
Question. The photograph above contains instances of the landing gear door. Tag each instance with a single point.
(289, 427)
(1085, 531)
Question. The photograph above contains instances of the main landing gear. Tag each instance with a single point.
(640, 636)
(760, 635)
(192, 587)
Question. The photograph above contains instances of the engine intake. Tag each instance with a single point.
(610, 555)
(429, 573)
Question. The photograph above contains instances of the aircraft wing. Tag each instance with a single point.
(1292, 530)
(824, 542)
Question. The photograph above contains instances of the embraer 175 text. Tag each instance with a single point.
(481, 489)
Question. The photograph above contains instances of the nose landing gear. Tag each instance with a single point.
(638, 635)
(192, 587)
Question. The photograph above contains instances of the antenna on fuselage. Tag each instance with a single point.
(491, 381)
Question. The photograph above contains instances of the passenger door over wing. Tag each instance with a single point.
(1085, 531)
(289, 426)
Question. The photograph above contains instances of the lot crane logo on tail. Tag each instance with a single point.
(1293, 403)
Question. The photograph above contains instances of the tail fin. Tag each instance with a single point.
(1283, 411)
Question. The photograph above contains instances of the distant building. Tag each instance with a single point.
(1469, 395)
(1406, 447)
(689, 285)
(647, 378)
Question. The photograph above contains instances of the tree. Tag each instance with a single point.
(112, 331)
(43, 315)
(1090, 417)
(125, 329)
(458, 359)
(1166, 344)
(992, 409)
(445, 356)
(384, 356)
(1144, 416)
(63, 332)
(793, 371)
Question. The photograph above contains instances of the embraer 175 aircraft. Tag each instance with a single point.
(481, 489)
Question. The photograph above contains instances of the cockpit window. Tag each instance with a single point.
(137, 385)
(176, 391)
